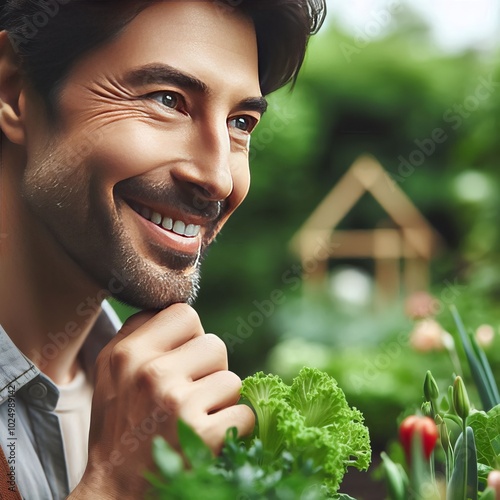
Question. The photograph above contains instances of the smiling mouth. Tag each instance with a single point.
(167, 223)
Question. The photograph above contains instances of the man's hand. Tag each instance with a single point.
(159, 368)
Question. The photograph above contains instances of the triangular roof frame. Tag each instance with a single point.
(367, 175)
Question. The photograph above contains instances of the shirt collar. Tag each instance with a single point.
(16, 370)
(105, 328)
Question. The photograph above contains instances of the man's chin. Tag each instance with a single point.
(160, 293)
(154, 281)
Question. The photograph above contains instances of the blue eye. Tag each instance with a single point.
(243, 123)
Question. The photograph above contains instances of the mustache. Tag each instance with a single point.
(191, 201)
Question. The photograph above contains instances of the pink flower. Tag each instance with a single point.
(421, 305)
(485, 335)
(427, 335)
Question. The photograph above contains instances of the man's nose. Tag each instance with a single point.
(207, 172)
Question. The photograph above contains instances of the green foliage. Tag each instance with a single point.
(463, 483)
(167, 460)
(310, 419)
(479, 366)
(396, 478)
(237, 473)
(305, 439)
(476, 450)
(486, 426)
(196, 451)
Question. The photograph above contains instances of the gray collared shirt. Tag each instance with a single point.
(30, 434)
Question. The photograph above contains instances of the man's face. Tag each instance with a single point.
(150, 154)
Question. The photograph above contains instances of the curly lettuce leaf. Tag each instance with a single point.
(311, 420)
(268, 395)
(305, 438)
(318, 398)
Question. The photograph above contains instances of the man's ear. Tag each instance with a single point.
(11, 92)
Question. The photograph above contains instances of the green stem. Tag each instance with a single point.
(451, 460)
(454, 418)
(466, 469)
(432, 468)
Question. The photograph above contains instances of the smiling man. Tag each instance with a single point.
(125, 129)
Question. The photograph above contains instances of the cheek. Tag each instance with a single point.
(128, 150)
(50, 188)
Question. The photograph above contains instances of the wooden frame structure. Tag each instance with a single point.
(401, 255)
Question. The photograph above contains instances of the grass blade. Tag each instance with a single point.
(481, 379)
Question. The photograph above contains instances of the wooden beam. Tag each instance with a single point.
(387, 281)
(364, 243)
(416, 275)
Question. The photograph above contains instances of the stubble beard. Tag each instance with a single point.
(144, 283)
(146, 286)
(102, 249)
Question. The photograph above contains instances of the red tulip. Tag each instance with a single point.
(425, 428)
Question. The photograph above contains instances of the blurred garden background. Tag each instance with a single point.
(417, 87)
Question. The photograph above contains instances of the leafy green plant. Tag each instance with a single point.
(305, 438)
(476, 449)
(310, 419)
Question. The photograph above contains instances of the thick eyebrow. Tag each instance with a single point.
(258, 104)
(162, 74)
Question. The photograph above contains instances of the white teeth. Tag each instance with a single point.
(156, 218)
(179, 227)
(192, 230)
(167, 223)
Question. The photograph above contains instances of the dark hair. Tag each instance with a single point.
(50, 35)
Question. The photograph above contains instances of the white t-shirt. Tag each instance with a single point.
(73, 409)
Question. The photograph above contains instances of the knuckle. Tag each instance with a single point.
(214, 344)
(119, 357)
(149, 374)
(173, 401)
(231, 381)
